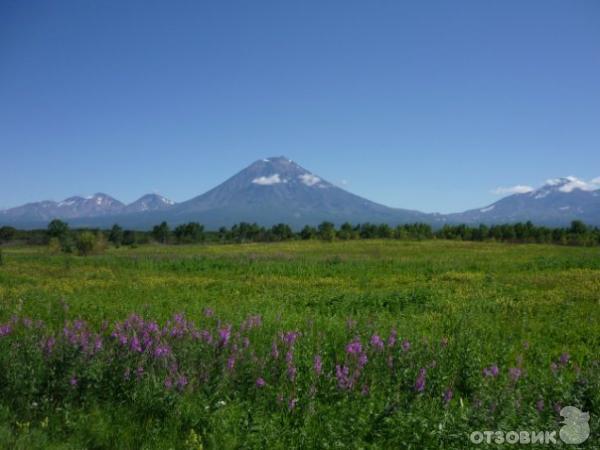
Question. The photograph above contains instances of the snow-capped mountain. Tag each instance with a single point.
(274, 190)
(556, 203)
(73, 207)
(149, 202)
(87, 209)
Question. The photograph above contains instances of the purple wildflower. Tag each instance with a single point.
(515, 373)
(539, 405)
(341, 373)
(362, 360)
(318, 365)
(292, 403)
(260, 382)
(448, 395)
(168, 383)
(208, 312)
(364, 390)
(564, 359)
(405, 345)
(420, 381)
(162, 351)
(391, 341)
(289, 357)
(224, 335)
(274, 351)
(354, 347)
(73, 381)
(182, 382)
(290, 337)
(377, 342)
(5, 330)
(231, 362)
(291, 372)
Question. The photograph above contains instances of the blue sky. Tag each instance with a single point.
(425, 105)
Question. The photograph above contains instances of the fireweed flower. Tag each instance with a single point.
(48, 345)
(354, 347)
(318, 365)
(420, 381)
(5, 330)
(290, 337)
(392, 338)
(377, 342)
(260, 382)
(515, 373)
(224, 335)
(448, 396)
(491, 371)
(406, 345)
(162, 351)
(362, 360)
(364, 390)
(341, 374)
(168, 383)
(564, 359)
(231, 362)
(292, 403)
(291, 372)
(274, 351)
(539, 405)
(289, 357)
(73, 381)
(182, 382)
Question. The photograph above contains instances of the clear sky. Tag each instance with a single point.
(425, 105)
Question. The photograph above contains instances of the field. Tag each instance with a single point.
(359, 344)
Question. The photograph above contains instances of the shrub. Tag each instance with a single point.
(85, 243)
(54, 245)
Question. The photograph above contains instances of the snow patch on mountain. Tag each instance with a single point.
(309, 179)
(268, 180)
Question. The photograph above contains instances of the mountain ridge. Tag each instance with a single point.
(278, 190)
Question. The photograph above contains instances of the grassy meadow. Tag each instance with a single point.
(304, 344)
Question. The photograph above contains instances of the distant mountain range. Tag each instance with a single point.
(278, 190)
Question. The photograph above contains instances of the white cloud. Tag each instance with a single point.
(268, 181)
(309, 179)
(518, 189)
(596, 181)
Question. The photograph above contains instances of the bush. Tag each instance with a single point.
(54, 245)
(85, 243)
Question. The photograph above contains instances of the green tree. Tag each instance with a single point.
(189, 233)
(7, 234)
(281, 232)
(116, 235)
(327, 231)
(578, 227)
(58, 229)
(308, 232)
(161, 232)
(129, 237)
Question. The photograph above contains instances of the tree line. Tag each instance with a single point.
(60, 237)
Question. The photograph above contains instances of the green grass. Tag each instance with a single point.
(488, 299)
